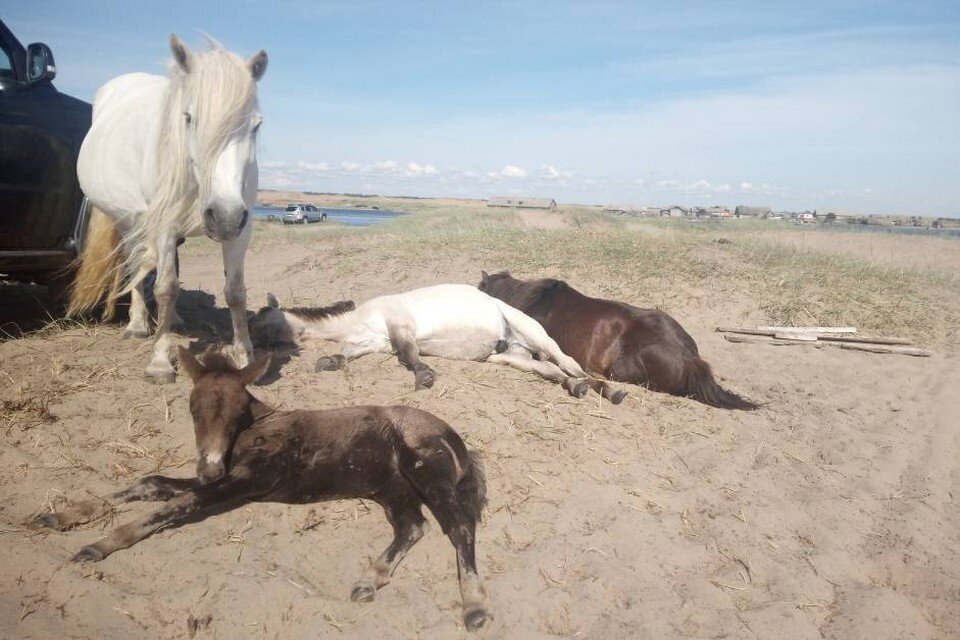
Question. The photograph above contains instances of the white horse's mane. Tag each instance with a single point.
(219, 92)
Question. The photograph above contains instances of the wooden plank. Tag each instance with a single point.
(765, 331)
(773, 331)
(868, 339)
(733, 337)
(798, 337)
(879, 348)
(746, 331)
(824, 330)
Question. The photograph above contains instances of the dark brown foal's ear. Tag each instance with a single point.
(484, 276)
(252, 372)
(189, 363)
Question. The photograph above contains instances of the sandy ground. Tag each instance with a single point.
(830, 513)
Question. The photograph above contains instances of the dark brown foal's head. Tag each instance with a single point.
(220, 406)
(494, 283)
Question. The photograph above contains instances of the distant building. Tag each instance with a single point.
(674, 211)
(715, 212)
(522, 203)
(756, 212)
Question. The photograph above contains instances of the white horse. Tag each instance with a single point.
(166, 158)
(454, 321)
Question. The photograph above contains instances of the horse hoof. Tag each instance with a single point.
(424, 379)
(618, 396)
(329, 363)
(363, 592)
(580, 389)
(161, 377)
(476, 618)
(135, 333)
(89, 553)
(48, 521)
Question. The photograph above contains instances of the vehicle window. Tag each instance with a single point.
(6, 65)
(291, 208)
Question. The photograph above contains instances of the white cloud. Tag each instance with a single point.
(313, 166)
(415, 170)
(350, 166)
(272, 164)
(384, 166)
(513, 171)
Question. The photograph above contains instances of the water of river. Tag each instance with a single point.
(349, 217)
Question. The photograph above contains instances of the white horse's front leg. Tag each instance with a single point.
(160, 369)
(235, 293)
(139, 325)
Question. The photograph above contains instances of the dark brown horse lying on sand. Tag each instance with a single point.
(399, 457)
(616, 340)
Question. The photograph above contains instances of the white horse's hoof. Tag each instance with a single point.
(135, 333)
(160, 375)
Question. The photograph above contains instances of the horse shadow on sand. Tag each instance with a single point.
(208, 325)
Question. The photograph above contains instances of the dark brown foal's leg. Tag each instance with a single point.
(461, 530)
(152, 488)
(215, 497)
(405, 344)
(402, 506)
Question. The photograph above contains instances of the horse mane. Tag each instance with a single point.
(321, 313)
(521, 294)
(219, 91)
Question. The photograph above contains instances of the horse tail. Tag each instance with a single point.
(100, 268)
(698, 383)
(472, 488)
(536, 338)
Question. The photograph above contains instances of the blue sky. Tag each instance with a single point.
(847, 105)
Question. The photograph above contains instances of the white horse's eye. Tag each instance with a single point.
(256, 127)
(186, 114)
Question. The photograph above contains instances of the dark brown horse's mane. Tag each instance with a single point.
(319, 313)
(522, 293)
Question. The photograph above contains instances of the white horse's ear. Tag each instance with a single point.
(181, 54)
(272, 301)
(258, 65)
(189, 363)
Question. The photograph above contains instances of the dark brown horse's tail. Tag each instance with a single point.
(698, 383)
(472, 489)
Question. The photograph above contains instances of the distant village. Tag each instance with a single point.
(720, 212)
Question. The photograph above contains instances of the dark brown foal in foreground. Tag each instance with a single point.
(616, 340)
(399, 457)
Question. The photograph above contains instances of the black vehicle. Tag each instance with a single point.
(42, 210)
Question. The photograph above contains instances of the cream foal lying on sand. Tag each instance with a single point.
(454, 321)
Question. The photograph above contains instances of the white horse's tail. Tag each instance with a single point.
(100, 268)
(536, 338)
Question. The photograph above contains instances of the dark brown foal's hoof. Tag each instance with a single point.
(89, 553)
(476, 618)
(363, 592)
(330, 363)
(617, 396)
(424, 379)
